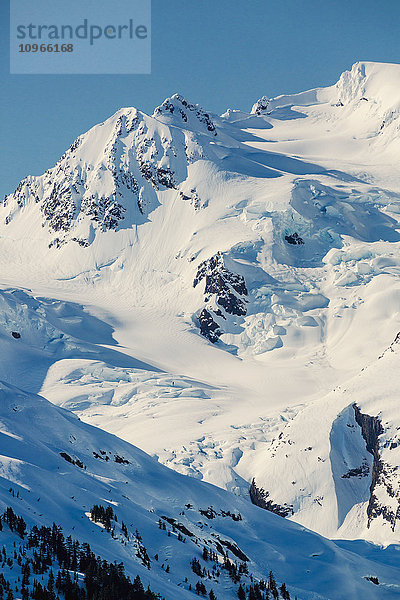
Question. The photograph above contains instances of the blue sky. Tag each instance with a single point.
(218, 53)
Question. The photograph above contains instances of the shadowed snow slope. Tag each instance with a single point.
(54, 468)
(199, 284)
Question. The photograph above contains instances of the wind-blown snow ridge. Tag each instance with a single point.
(376, 82)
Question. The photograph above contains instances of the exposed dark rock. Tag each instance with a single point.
(231, 304)
(224, 285)
(371, 429)
(261, 105)
(102, 455)
(208, 327)
(59, 208)
(158, 177)
(294, 239)
(83, 243)
(16, 335)
(56, 243)
(215, 265)
(72, 148)
(121, 460)
(210, 513)
(259, 496)
(72, 461)
(359, 472)
(105, 211)
(233, 516)
(194, 199)
(27, 188)
(184, 108)
(392, 347)
(372, 579)
(166, 106)
(165, 177)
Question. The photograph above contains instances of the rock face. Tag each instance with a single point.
(208, 327)
(224, 291)
(259, 497)
(228, 288)
(371, 428)
(260, 106)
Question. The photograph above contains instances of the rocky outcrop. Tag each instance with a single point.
(260, 106)
(225, 293)
(208, 327)
(359, 472)
(228, 288)
(294, 239)
(185, 112)
(381, 484)
(371, 429)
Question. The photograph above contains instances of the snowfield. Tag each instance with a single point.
(223, 292)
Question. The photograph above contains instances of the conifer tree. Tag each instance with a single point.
(241, 593)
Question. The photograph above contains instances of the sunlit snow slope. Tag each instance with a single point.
(198, 285)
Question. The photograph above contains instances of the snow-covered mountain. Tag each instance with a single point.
(54, 468)
(218, 290)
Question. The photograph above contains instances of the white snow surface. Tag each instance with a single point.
(44, 488)
(98, 261)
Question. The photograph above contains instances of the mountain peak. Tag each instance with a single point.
(178, 111)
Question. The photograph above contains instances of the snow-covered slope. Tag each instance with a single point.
(340, 456)
(199, 284)
(54, 468)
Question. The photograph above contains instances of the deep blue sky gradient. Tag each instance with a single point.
(218, 53)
